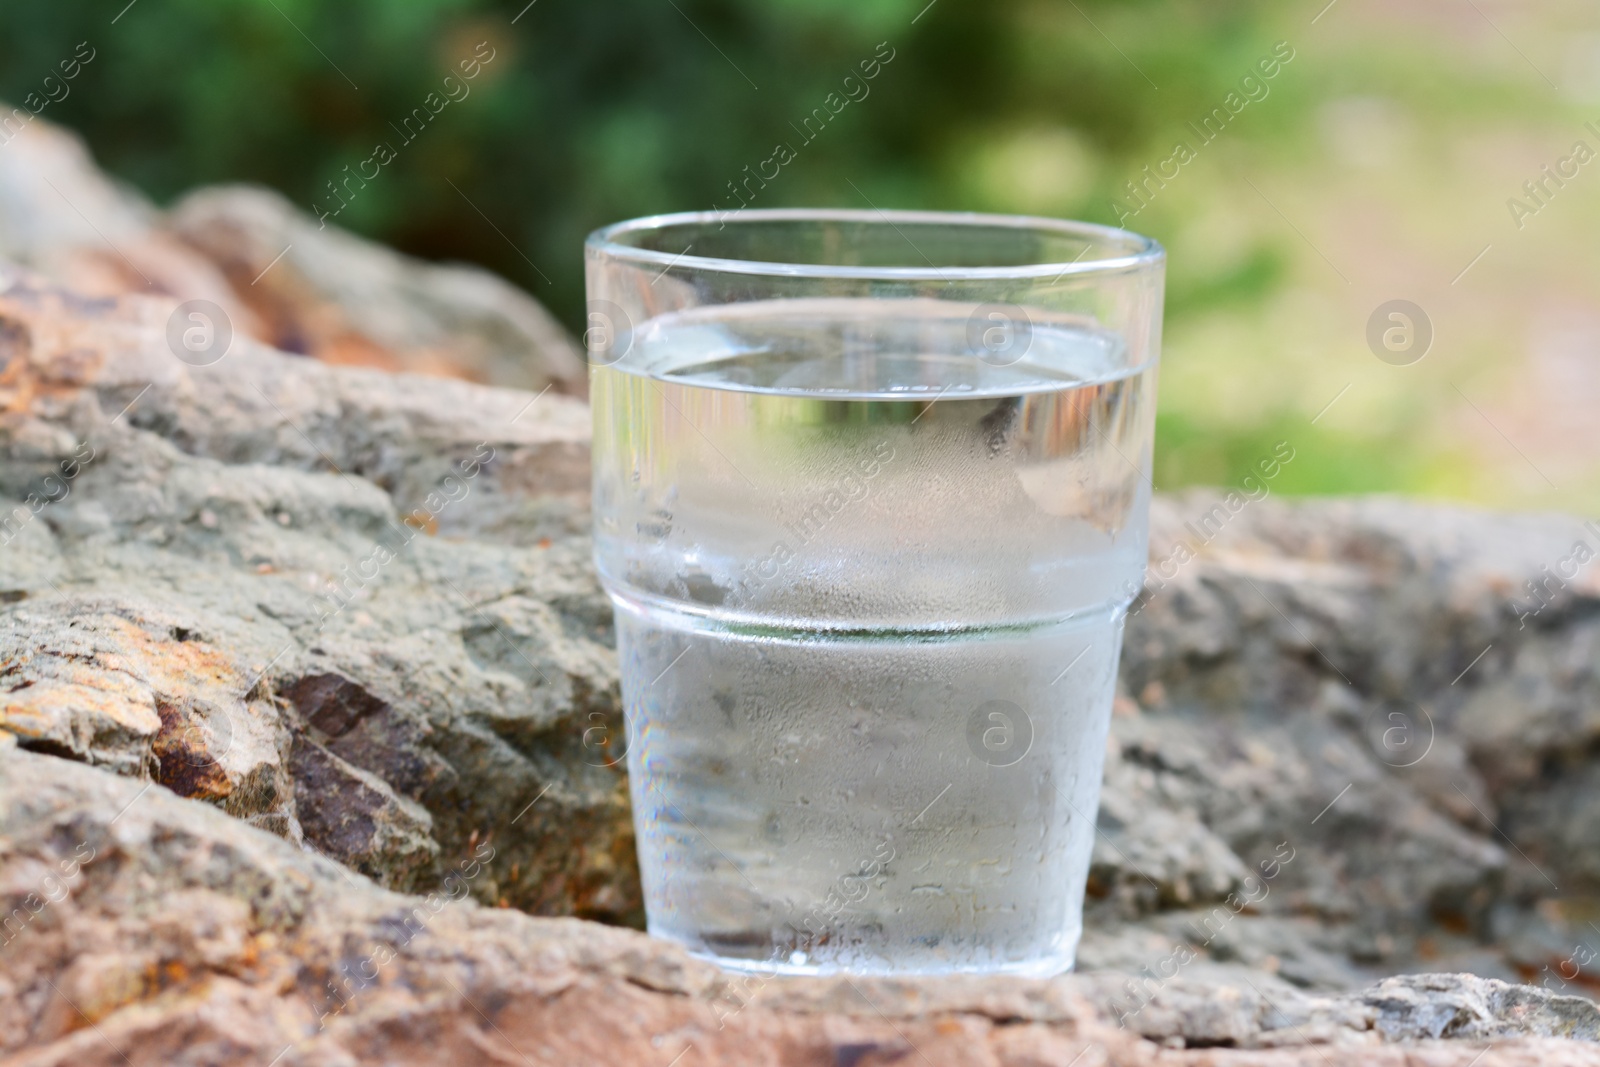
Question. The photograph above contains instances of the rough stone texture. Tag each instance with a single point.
(149, 929)
(272, 580)
(328, 293)
(1266, 678)
(351, 613)
(139, 695)
(1433, 1005)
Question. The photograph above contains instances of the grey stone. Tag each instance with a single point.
(1263, 679)
(318, 288)
(1415, 1007)
(234, 538)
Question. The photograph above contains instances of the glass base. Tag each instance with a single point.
(798, 966)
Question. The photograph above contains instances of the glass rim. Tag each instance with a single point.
(1145, 251)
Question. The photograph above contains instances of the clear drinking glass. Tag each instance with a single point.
(870, 500)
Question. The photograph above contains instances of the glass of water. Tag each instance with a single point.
(870, 500)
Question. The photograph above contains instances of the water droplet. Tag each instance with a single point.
(797, 959)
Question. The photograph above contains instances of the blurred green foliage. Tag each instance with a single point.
(596, 112)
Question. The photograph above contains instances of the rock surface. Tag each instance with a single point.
(160, 931)
(328, 633)
(270, 578)
(278, 274)
(321, 290)
(1370, 687)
